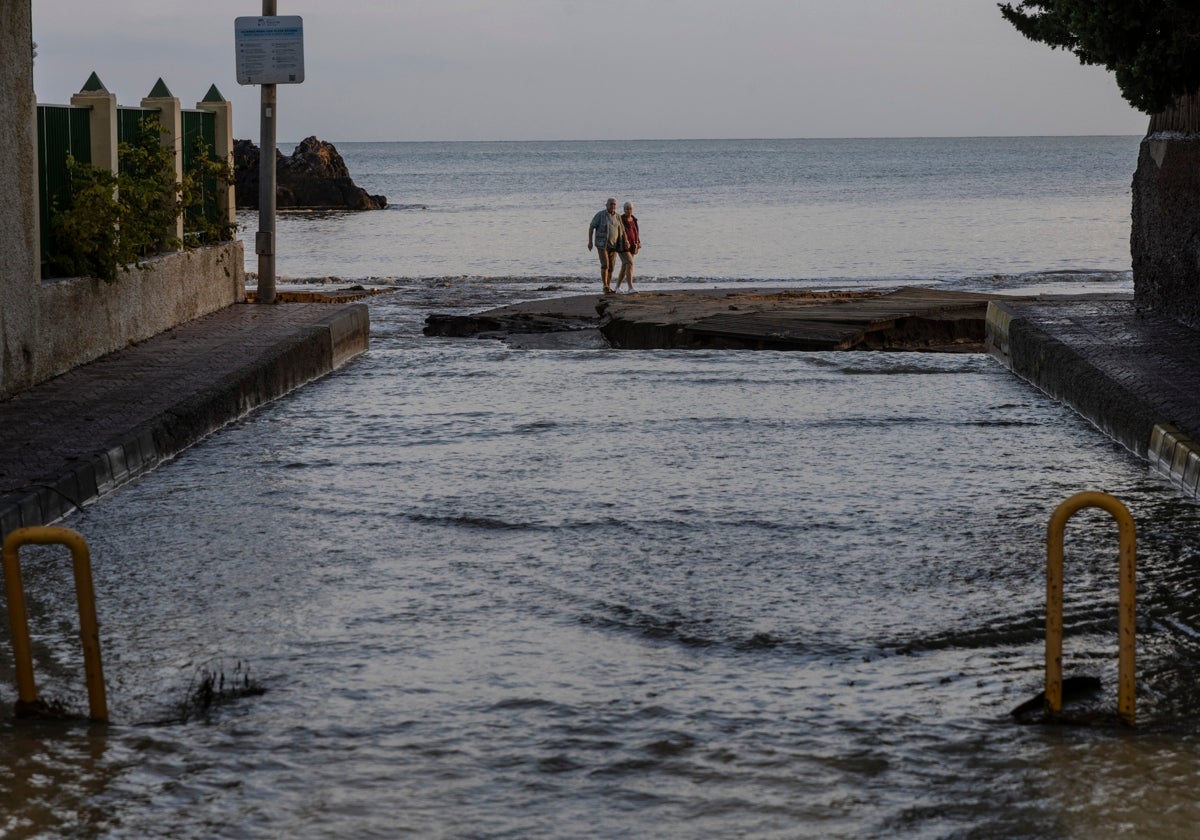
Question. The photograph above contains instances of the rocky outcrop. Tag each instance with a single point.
(314, 177)
(910, 319)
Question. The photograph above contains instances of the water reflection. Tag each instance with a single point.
(56, 776)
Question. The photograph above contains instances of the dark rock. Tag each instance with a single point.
(314, 177)
(498, 324)
(912, 319)
(921, 320)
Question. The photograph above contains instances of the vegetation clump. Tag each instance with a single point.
(204, 179)
(211, 688)
(110, 222)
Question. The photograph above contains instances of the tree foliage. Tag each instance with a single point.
(85, 241)
(1151, 46)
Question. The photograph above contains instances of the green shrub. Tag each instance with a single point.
(84, 235)
(148, 193)
(204, 180)
(114, 222)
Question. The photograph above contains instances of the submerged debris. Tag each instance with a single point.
(211, 687)
(40, 709)
(1075, 690)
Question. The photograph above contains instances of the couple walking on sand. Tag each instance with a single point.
(615, 236)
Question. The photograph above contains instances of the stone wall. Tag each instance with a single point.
(82, 318)
(69, 322)
(1165, 236)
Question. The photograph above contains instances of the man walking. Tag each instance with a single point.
(608, 236)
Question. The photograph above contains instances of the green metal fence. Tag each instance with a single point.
(200, 133)
(62, 130)
(128, 119)
(198, 124)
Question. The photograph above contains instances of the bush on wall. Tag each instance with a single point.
(114, 222)
(204, 179)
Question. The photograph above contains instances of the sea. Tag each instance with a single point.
(461, 589)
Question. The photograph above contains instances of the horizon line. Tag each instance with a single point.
(738, 139)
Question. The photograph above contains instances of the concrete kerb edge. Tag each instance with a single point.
(1175, 455)
(349, 333)
(1064, 375)
(314, 351)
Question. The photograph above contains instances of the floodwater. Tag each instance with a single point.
(461, 590)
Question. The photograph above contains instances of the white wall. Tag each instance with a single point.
(83, 318)
(47, 328)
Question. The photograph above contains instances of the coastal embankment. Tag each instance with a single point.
(68, 441)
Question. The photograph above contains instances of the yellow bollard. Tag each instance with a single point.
(19, 622)
(1126, 600)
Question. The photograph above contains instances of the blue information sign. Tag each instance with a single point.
(270, 50)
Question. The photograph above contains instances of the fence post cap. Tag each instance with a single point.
(93, 85)
(160, 91)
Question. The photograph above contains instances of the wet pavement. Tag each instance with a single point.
(1135, 377)
(67, 441)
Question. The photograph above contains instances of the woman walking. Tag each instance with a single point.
(634, 245)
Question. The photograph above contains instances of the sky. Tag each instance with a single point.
(622, 69)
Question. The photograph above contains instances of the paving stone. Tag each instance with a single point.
(102, 423)
(1127, 372)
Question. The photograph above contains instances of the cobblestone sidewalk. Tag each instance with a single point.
(67, 441)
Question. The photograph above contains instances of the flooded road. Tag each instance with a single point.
(461, 590)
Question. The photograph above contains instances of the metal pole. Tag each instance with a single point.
(89, 632)
(1126, 619)
(18, 621)
(264, 242)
